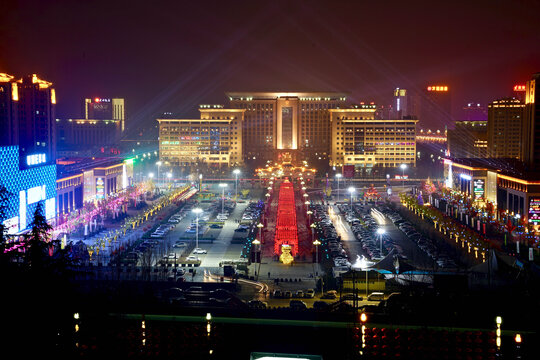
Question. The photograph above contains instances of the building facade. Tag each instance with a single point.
(531, 124)
(468, 139)
(504, 128)
(27, 149)
(359, 139)
(286, 122)
(214, 140)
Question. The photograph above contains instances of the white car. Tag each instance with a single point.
(192, 258)
(199, 251)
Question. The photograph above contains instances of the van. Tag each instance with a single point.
(376, 296)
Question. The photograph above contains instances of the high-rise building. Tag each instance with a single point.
(403, 105)
(361, 140)
(286, 122)
(504, 128)
(468, 139)
(214, 140)
(531, 124)
(105, 109)
(27, 149)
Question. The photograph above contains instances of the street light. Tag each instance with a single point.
(200, 182)
(380, 232)
(260, 226)
(236, 172)
(351, 191)
(338, 176)
(403, 167)
(309, 212)
(197, 211)
(169, 176)
(151, 175)
(222, 186)
(317, 243)
(312, 226)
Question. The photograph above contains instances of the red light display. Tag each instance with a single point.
(519, 87)
(286, 230)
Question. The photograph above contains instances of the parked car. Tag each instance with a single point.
(332, 294)
(297, 305)
(376, 296)
(309, 293)
(320, 305)
(199, 251)
(351, 297)
(257, 304)
(277, 294)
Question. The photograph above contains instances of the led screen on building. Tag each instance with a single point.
(100, 109)
(534, 210)
(478, 189)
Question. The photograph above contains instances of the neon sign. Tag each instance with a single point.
(519, 88)
(437, 88)
(100, 188)
(478, 188)
(36, 159)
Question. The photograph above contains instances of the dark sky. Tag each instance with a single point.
(171, 56)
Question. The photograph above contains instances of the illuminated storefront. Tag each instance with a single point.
(30, 185)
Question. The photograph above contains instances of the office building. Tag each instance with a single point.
(27, 149)
(468, 139)
(531, 124)
(215, 140)
(361, 140)
(291, 123)
(504, 128)
(105, 109)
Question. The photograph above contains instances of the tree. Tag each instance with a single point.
(37, 244)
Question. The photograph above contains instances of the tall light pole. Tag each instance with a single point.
(169, 176)
(317, 243)
(338, 176)
(197, 211)
(309, 213)
(222, 186)
(312, 226)
(158, 166)
(403, 167)
(200, 182)
(380, 232)
(351, 191)
(236, 172)
(260, 226)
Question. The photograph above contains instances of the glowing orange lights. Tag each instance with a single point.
(519, 88)
(14, 92)
(437, 88)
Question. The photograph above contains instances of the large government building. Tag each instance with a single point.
(269, 126)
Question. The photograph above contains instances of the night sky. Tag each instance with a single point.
(171, 56)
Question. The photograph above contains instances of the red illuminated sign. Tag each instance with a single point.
(519, 87)
(437, 88)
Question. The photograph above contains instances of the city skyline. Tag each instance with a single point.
(174, 62)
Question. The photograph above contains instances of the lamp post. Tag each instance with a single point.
(236, 172)
(200, 182)
(197, 211)
(257, 244)
(222, 186)
(309, 212)
(158, 166)
(403, 167)
(260, 226)
(380, 232)
(169, 176)
(312, 226)
(351, 191)
(338, 176)
(317, 243)
(151, 175)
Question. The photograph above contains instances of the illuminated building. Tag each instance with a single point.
(361, 140)
(506, 184)
(404, 105)
(504, 128)
(519, 92)
(531, 124)
(82, 180)
(215, 139)
(286, 122)
(102, 124)
(105, 109)
(468, 139)
(27, 148)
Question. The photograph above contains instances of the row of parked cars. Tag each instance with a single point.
(425, 244)
(335, 248)
(252, 212)
(161, 231)
(365, 230)
(278, 294)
